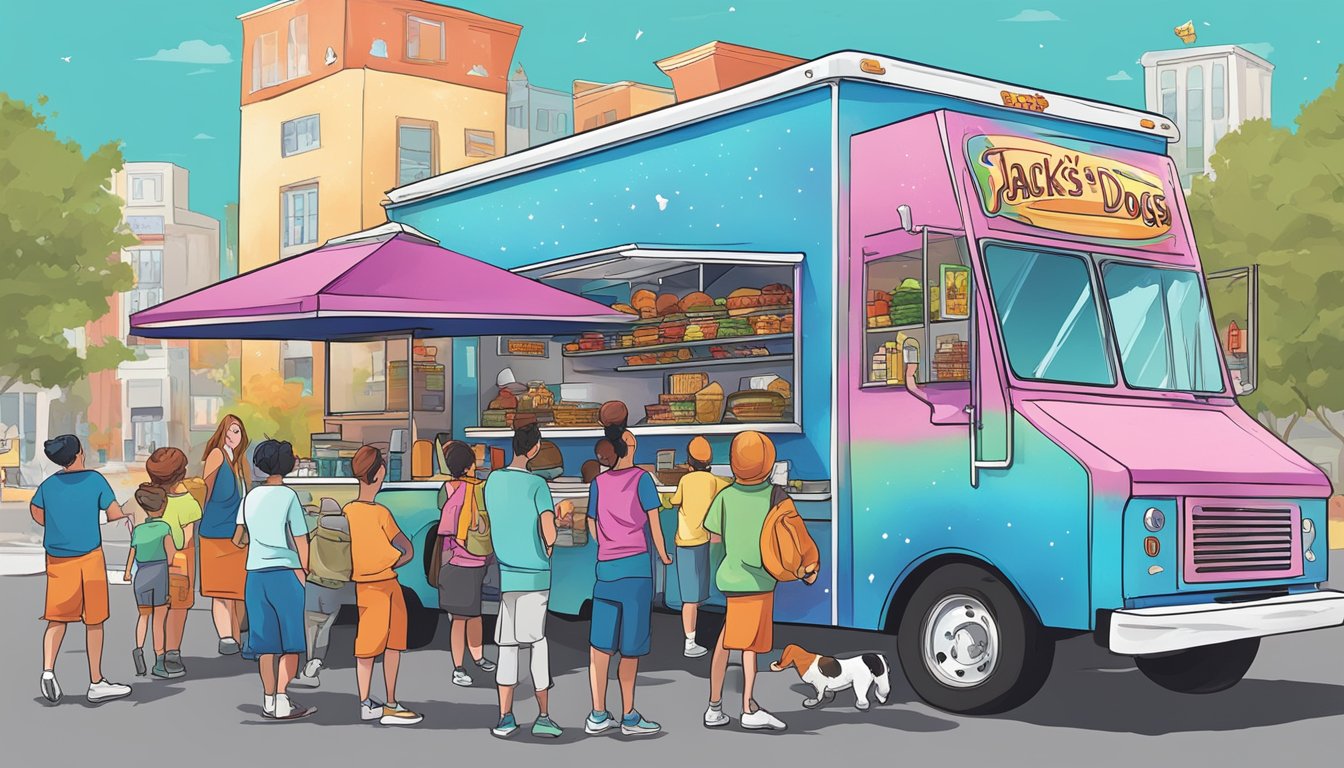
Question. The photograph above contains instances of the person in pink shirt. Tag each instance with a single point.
(624, 504)
(462, 574)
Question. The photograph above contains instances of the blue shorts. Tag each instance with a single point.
(692, 566)
(622, 611)
(274, 602)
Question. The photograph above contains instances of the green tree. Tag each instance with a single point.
(1277, 200)
(60, 230)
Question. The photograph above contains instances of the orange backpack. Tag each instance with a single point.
(788, 552)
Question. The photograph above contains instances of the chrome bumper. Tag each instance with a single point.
(1142, 631)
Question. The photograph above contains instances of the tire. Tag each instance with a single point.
(968, 608)
(421, 622)
(1209, 669)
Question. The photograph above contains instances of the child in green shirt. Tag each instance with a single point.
(152, 549)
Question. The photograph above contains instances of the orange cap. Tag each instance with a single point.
(752, 458)
(699, 450)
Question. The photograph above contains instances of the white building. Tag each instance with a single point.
(536, 115)
(178, 253)
(1205, 91)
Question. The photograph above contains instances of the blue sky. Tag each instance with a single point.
(181, 105)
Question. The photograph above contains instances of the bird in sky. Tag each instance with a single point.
(639, 33)
(66, 59)
(584, 39)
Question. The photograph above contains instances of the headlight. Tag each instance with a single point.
(1154, 519)
(1308, 539)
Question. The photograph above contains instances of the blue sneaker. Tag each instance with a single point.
(506, 728)
(634, 724)
(599, 723)
(546, 728)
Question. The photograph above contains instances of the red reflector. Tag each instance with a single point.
(1151, 546)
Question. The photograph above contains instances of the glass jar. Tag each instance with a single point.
(541, 397)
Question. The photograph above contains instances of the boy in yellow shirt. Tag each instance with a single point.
(693, 496)
(377, 547)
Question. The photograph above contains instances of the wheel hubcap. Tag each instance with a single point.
(961, 642)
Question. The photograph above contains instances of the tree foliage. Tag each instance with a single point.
(273, 407)
(1277, 200)
(60, 231)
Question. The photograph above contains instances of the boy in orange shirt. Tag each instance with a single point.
(377, 547)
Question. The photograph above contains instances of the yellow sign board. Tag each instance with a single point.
(1065, 190)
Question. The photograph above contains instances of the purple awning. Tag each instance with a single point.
(389, 283)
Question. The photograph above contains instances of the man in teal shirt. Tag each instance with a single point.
(523, 525)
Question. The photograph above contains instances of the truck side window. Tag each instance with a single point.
(915, 317)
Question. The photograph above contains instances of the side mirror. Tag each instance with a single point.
(907, 218)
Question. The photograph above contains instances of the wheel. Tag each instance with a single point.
(1209, 669)
(968, 644)
(421, 622)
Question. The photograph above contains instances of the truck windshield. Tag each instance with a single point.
(1163, 328)
(1049, 316)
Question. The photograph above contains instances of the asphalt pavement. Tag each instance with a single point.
(1095, 710)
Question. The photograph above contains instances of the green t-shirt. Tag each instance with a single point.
(147, 539)
(181, 511)
(737, 514)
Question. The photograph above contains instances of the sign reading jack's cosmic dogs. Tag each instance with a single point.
(1053, 187)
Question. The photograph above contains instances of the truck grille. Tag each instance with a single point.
(1235, 541)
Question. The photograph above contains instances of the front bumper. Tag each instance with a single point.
(1143, 631)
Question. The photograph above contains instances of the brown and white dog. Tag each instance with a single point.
(827, 674)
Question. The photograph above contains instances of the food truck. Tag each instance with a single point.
(971, 316)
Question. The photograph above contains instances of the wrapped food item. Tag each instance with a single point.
(687, 383)
(776, 295)
(709, 404)
(642, 299)
(782, 387)
(1186, 32)
(756, 405)
(696, 301)
(907, 303)
(744, 301)
(667, 304)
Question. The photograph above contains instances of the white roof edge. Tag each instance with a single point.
(836, 66)
(1203, 51)
(264, 8)
(382, 231)
(630, 250)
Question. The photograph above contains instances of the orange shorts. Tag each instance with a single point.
(182, 579)
(382, 618)
(223, 569)
(750, 622)
(77, 589)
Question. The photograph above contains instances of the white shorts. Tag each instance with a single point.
(522, 618)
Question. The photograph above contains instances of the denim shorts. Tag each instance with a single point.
(274, 601)
(692, 566)
(622, 611)
(150, 584)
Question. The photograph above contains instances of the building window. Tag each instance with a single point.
(561, 124)
(518, 116)
(205, 411)
(18, 423)
(147, 267)
(298, 47)
(480, 143)
(1218, 92)
(146, 188)
(299, 215)
(1167, 88)
(265, 62)
(425, 39)
(609, 117)
(1194, 121)
(416, 140)
(368, 376)
(300, 135)
(543, 120)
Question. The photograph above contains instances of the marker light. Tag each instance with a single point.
(872, 67)
(1146, 123)
(1154, 519)
(1151, 546)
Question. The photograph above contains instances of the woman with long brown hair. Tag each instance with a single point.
(167, 469)
(223, 565)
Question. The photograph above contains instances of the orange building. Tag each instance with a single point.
(341, 101)
(717, 66)
(599, 104)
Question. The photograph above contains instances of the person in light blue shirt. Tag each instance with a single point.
(277, 565)
(523, 527)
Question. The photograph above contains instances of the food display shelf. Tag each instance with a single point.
(695, 363)
(680, 345)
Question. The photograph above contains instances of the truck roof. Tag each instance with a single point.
(844, 65)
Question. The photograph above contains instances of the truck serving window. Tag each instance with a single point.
(1049, 316)
(1163, 329)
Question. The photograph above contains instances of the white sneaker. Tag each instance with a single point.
(399, 715)
(715, 718)
(694, 650)
(268, 705)
(460, 677)
(370, 710)
(105, 691)
(307, 677)
(312, 668)
(51, 690)
(286, 709)
(760, 720)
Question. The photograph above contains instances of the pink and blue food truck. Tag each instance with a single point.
(971, 316)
